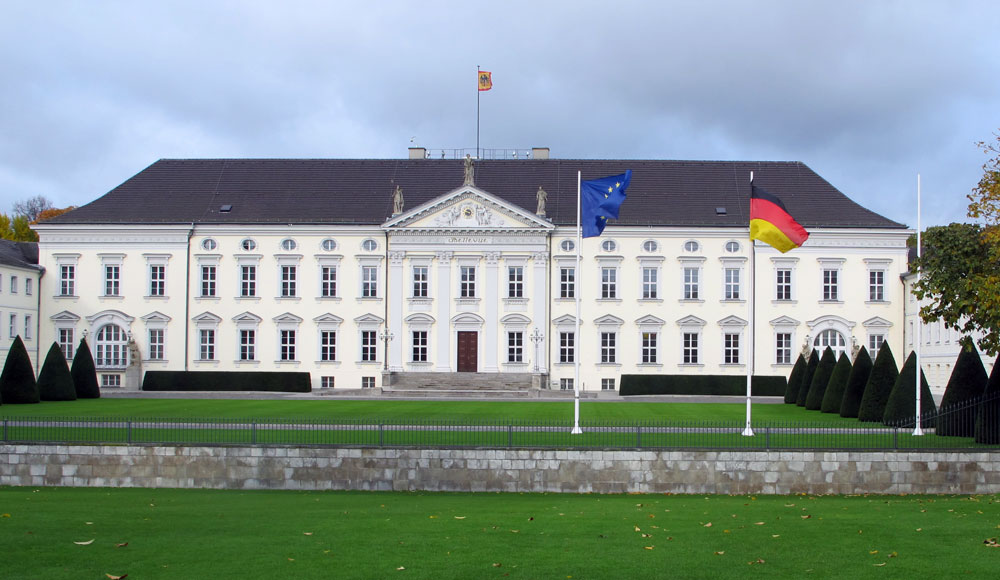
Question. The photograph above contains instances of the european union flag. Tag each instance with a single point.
(600, 200)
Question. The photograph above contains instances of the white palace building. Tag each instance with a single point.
(365, 272)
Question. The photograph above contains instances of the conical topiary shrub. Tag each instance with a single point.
(795, 380)
(879, 385)
(85, 373)
(55, 383)
(856, 382)
(800, 399)
(834, 395)
(901, 406)
(988, 414)
(814, 399)
(17, 383)
(966, 384)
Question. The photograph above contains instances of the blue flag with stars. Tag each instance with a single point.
(600, 200)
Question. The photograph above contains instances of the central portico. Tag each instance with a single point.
(466, 285)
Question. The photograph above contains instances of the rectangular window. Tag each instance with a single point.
(467, 287)
(288, 275)
(326, 382)
(112, 280)
(609, 283)
(369, 348)
(419, 346)
(691, 289)
(783, 348)
(208, 281)
(732, 284)
(367, 382)
(157, 280)
(567, 282)
(13, 326)
(783, 284)
(420, 275)
(649, 283)
(567, 347)
(369, 281)
(155, 344)
(731, 348)
(27, 327)
(111, 381)
(690, 353)
(565, 384)
(66, 342)
(874, 343)
(328, 345)
(515, 282)
(248, 344)
(876, 285)
(515, 347)
(830, 286)
(28, 286)
(287, 352)
(248, 281)
(67, 280)
(13, 284)
(649, 347)
(607, 384)
(328, 283)
(206, 344)
(609, 350)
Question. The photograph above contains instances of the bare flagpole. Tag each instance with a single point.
(748, 431)
(576, 337)
(917, 431)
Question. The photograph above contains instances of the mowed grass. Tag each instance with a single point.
(79, 533)
(423, 410)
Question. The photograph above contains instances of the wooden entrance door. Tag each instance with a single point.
(468, 347)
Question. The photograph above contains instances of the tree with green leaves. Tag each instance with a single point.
(879, 386)
(85, 373)
(807, 378)
(55, 383)
(957, 417)
(795, 380)
(856, 382)
(814, 398)
(834, 396)
(17, 383)
(988, 414)
(901, 406)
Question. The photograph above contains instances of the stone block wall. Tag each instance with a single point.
(501, 470)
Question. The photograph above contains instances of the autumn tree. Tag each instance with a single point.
(48, 214)
(31, 207)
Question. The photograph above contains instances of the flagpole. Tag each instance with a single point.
(576, 337)
(477, 111)
(917, 431)
(748, 431)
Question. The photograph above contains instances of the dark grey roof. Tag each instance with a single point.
(358, 191)
(21, 254)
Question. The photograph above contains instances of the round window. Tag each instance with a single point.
(690, 246)
(248, 245)
(288, 244)
(567, 245)
(329, 245)
(649, 246)
(732, 247)
(608, 245)
(369, 245)
(209, 244)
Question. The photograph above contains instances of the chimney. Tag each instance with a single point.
(418, 152)
(539, 152)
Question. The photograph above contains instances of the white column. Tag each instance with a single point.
(492, 312)
(395, 322)
(540, 301)
(443, 292)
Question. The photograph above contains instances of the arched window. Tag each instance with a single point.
(830, 338)
(112, 347)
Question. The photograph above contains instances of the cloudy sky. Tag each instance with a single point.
(867, 93)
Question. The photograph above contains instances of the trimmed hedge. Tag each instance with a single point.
(901, 407)
(988, 415)
(55, 383)
(280, 382)
(795, 380)
(85, 373)
(834, 396)
(17, 382)
(856, 382)
(800, 399)
(879, 386)
(967, 382)
(814, 399)
(720, 385)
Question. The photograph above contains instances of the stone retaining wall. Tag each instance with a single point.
(507, 470)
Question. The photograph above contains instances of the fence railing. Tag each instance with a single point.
(489, 434)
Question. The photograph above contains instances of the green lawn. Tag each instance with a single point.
(78, 533)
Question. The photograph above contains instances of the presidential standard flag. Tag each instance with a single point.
(485, 80)
(771, 223)
(600, 200)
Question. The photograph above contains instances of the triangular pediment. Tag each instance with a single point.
(876, 322)
(64, 316)
(468, 209)
(732, 320)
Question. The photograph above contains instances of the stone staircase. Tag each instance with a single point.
(462, 385)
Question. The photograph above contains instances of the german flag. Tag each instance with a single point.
(771, 223)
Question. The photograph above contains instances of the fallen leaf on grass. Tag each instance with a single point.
(122, 545)
(893, 555)
(5, 516)
(637, 529)
(920, 529)
(708, 525)
(648, 547)
(647, 535)
(720, 553)
(805, 517)
(873, 552)
(775, 535)
(113, 577)
(307, 533)
(758, 523)
(515, 531)
(401, 568)
(757, 561)
(991, 542)
(87, 543)
(460, 517)
(879, 565)
(432, 517)
(497, 564)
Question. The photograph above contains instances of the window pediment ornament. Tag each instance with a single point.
(470, 208)
(64, 316)
(650, 320)
(515, 319)
(368, 319)
(691, 320)
(784, 321)
(328, 318)
(732, 321)
(608, 320)
(877, 322)
(247, 317)
(155, 316)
